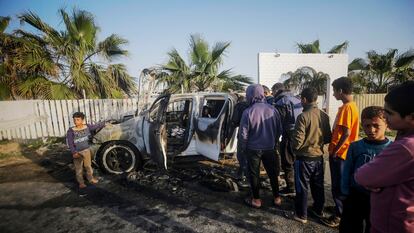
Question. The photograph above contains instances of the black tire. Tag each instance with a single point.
(119, 157)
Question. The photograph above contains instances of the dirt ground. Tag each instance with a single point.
(38, 194)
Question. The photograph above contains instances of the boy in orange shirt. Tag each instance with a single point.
(345, 131)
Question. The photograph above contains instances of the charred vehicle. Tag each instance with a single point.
(174, 125)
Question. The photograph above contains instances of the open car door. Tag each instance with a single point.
(156, 144)
(209, 127)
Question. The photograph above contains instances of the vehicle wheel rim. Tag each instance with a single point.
(119, 159)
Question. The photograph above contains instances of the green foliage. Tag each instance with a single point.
(380, 71)
(202, 72)
(314, 47)
(307, 77)
(54, 64)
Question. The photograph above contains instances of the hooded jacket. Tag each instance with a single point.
(260, 124)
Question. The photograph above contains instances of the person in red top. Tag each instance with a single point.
(345, 131)
(390, 175)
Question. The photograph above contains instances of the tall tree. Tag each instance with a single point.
(314, 47)
(202, 72)
(73, 56)
(380, 71)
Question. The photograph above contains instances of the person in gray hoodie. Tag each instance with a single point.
(260, 126)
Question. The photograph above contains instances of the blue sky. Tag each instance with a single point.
(155, 27)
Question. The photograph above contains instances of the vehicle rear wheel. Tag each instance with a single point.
(118, 158)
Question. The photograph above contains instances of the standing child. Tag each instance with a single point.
(78, 138)
(312, 132)
(357, 202)
(345, 131)
(391, 173)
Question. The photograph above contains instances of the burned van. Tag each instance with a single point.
(174, 125)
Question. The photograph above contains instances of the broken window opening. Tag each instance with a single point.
(178, 117)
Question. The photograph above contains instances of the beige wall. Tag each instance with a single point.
(365, 100)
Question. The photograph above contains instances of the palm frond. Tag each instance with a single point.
(406, 59)
(341, 48)
(111, 47)
(4, 22)
(357, 64)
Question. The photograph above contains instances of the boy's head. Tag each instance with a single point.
(399, 107)
(374, 123)
(277, 88)
(309, 95)
(78, 118)
(342, 87)
(266, 90)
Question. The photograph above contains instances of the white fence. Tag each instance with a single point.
(31, 119)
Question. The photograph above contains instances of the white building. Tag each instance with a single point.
(272, 66)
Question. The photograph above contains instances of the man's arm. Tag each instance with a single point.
(299, 133)
(345, 132)
(393, 166)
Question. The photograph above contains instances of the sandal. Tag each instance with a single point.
(277, 202)
(249, 202)
(94, 181)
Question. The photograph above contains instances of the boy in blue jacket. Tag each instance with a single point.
(357, 199)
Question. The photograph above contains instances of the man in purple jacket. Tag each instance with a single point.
(260, 126)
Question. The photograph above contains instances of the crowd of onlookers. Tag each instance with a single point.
(372, 178)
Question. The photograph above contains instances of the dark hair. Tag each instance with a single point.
(266, 89)
(401, 98)
(310, 94)
(277, 88)
(78, 115)
(373, 111)
(344, 84)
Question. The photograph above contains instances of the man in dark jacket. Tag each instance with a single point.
(289, 107)
(241, 157)
(259, 127)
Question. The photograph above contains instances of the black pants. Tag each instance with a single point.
(336, 166)
(355, 213)
(287, 158)
(270, 163)
(309, 173)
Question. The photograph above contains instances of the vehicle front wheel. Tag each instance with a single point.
(118, 158)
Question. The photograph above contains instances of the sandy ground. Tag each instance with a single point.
(39, 194)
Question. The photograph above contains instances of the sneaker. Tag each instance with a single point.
(94, 181)
(300, 219)
(287, 193)
(332, 221)
(292, 215)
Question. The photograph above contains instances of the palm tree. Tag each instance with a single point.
(74, 53)
(314, 47)
(202, 72)
(307, 77)
(380, 71)
(24, 65)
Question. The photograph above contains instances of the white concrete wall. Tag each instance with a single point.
(273, 65)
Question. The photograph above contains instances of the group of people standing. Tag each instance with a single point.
(372, 179)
